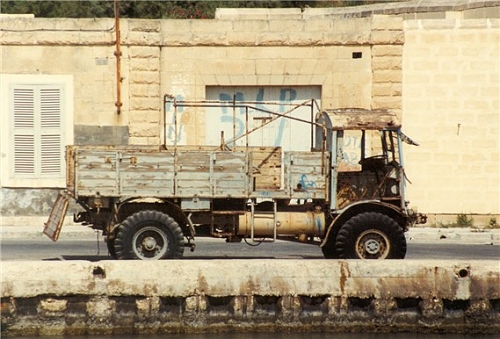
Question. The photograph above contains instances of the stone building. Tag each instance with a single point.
(435, 63)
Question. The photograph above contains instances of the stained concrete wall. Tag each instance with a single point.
(417, 58)
(242, 296)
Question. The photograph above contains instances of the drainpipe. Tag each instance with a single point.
(118, 55)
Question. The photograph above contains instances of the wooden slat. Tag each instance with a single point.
(266, 168)
(193, 174)
(96, 172)
(132, 171)
(305, 176)
(229, 176)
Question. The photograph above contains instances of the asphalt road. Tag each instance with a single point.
(91, 247)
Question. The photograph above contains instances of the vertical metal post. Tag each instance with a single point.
(323, 148)
(118, 55)
(363, 144)
(312, 126)
(246, 128)
(165, 120)
(275, 219)
(337, 154)
(176, 160)
(234, 121)
(175, 123)
(252, 217)
(401, 173)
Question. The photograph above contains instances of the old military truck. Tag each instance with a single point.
(151, 202)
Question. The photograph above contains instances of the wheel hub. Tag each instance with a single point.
(149, 243)
(373, 244)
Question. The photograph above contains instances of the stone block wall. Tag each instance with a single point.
(435, 65)
(182, 56)
(451, 102)
(143, 95)
(336, 55)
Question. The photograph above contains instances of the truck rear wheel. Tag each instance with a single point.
(371, 235)
(149, 235)
(111, 248)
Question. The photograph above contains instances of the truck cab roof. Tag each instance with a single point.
(360, 119)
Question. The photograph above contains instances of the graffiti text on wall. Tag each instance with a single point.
(286, 95)
(223, 118)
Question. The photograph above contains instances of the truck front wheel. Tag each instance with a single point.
(149, 235)
(371, 235)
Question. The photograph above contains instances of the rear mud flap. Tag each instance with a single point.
(54, 224)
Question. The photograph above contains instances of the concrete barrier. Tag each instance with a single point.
(185, 296)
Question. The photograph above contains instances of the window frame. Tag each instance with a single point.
(8, 82)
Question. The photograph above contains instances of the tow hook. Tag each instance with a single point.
(192, 247)
(79, 217)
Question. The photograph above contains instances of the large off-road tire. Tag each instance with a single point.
(149, 235)
(371, 235)
(329, 250)
(111, 248)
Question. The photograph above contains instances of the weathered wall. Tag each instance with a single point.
(183, 57)
(437, 65)
(452, 106)
(241, 296)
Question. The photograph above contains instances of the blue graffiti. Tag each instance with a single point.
(292, 95)
(171, 128)
(318, 223)
(305, 183)
(287, 95)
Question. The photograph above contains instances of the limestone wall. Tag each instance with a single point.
(451, 99)
(436, 66)
(182, 57)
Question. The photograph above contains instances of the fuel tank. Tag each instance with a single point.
(287, 223)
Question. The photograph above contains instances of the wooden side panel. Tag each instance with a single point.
(193, 174)
(305, 174)
(96, 172)
(266, 168)
(130, 172)
(53, 226)
(229, 178)
(147, 173)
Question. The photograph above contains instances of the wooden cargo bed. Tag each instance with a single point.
(193, 171)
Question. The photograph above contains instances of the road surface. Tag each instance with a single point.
(90, 246)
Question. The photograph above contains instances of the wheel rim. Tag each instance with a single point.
(373, 244)
(150, 243)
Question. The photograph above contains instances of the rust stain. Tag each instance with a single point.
(344, 275)
(202, 283)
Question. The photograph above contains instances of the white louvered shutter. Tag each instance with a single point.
(50, 131)
(24, 132)
(38, 149)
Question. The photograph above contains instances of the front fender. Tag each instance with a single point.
(343, 215)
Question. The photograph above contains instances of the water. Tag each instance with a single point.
(279, 336)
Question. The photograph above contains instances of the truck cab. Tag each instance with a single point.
(368, 206)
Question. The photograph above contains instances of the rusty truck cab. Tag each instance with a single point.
(367, 168)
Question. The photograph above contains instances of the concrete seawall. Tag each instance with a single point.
(79, 297)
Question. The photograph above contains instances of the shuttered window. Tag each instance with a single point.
(37, 131)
